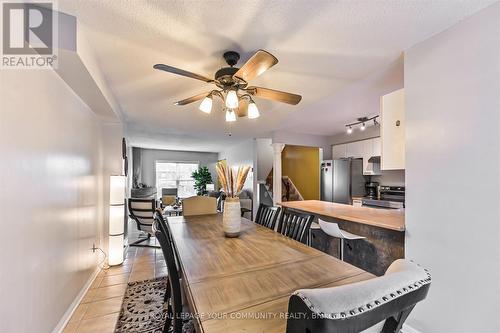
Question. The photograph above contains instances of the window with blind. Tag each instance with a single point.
(176, 175)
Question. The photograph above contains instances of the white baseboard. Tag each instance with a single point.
(67, 315)
(409, 329)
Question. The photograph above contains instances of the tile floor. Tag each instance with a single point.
(99, 309)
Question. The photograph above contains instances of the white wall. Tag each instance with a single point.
(51, 197)
(452, 84)
(239, 155)
(264, 156)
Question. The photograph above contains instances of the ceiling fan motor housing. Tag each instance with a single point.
(231, 57)
(225, 75)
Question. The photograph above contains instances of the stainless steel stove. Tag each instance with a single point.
(392, 197)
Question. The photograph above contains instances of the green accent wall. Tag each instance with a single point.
(301, 164)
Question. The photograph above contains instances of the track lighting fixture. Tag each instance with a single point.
(362, 122)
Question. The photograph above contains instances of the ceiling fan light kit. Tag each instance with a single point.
(230, 115)
(206, 104)
(253, 111)
(231, 99)
(233, 86)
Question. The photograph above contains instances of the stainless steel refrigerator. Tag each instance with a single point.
(342, 179)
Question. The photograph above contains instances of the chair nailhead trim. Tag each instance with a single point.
(342, 315)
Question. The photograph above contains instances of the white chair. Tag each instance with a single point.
(332, 229)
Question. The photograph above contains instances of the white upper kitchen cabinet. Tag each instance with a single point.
(339, 151)
(364, 149)
(371, 148)
(377, 146)
(392, 130)
(355, 149)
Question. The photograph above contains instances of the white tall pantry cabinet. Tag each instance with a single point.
(392, 130)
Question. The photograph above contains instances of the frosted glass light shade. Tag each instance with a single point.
(116, 220)
(206, 105)
(253, 111)
(116, 190)
(231, 99)
(230, 115)
(115, 253)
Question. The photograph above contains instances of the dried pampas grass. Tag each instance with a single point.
(232, 182)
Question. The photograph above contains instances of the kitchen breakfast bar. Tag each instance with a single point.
(384, 230)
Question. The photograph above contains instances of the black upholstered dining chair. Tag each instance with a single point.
(267, 215)
(141, 211)
(378, 305)
(173, 294)
(295, 225)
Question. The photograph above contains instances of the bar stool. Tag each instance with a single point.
(333, 230)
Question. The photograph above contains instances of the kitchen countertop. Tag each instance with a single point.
(383, 218)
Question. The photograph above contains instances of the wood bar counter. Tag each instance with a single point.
(384, 230)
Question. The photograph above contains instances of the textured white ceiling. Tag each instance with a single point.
(321, 45)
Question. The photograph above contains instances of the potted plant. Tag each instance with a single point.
(202, 177)
(232, 184)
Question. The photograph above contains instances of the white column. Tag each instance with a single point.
(277, 148)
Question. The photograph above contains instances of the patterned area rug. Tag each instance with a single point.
(143, 309)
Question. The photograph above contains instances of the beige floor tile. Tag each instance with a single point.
(145, 251)
(143, 266)
(131, 252)
(161, 272)
(141, 275)
(105, 307)
(144, 259)
(128, 260)
(89, 296)
(79, 313)
(114, 279)
(104, 324)
(70, 328)
(117, 270)
(109, 292)
(160, 262)
(97, 282)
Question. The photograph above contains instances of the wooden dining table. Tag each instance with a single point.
(243, 284)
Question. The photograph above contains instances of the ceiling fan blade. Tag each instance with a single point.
(242, 108)
(274, 95)
(182, 72)
(192, 99)
(256, 65)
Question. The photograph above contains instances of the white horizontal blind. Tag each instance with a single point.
(176, 175)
